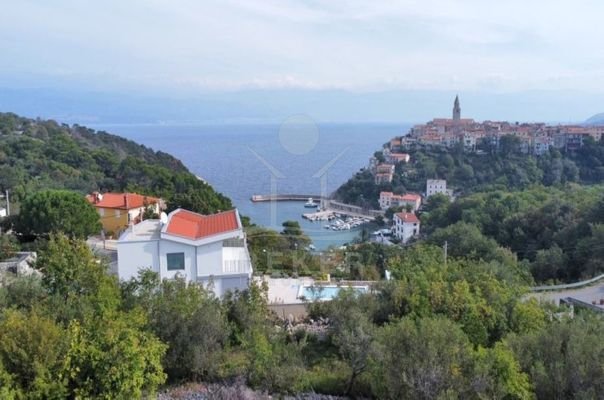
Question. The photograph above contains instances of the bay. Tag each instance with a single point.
(240, 161)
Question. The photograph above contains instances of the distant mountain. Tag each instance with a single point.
(275, 105)
(597, 119)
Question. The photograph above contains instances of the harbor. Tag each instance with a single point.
(338, 221)
(326, 221)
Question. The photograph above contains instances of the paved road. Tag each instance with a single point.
(587, 294)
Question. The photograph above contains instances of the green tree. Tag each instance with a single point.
(32, 351)
(112, 357)
(8, 386)
(509, 144)
(57, 211)
(248, 311)
(266, 247)
(77, 281)
(424, 359)
(295, 235)
(549, 264)
(497, 375)
(466, 240)
(185, 316)
(8, 246)
(22, 292)
(274, 364)
(352, 331)
(564, 359)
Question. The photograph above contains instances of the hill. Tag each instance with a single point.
(472, 172)
(43, 154)
(597, 119)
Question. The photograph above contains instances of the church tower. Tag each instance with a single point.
(456, 110)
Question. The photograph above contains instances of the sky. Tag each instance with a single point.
(192, 48)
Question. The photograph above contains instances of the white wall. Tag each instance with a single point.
(166, 247)
(221, 285)
(201, 263)
(404, 230)
(209, 259)
(434, 186)
(133, 256)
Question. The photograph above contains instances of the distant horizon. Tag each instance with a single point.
(338, 61)
(256, 107)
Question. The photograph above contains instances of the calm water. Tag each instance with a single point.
(237, 160)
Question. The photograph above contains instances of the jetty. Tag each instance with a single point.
(327, 206)
(257, 198)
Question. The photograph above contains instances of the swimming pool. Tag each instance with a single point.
(325, 292)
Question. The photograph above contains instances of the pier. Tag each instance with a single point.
(286, 197)
(327, 206)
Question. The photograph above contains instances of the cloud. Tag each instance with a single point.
(356, 45)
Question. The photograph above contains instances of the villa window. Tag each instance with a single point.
(175, 261)
(234, 242)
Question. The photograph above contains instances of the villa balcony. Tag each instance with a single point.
(236, 260)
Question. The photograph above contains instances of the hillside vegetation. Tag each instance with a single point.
(39, 154)
(556, 233)
(546, 212)
(466, 173)
(457, 331)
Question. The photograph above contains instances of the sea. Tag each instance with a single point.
(295, 157)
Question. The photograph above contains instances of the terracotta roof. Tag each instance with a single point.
(197, 226)
(124, 201)
(407, 217)
(411, 197)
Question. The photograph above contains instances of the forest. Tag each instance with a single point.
(459, 330)
(42, 154)
(556, 233)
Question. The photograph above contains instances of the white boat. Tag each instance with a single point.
(310, 203)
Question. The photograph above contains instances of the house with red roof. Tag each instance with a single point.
(119, 210)
(389, 199)
(405, 226)
(207, 249)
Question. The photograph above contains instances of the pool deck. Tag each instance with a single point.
(286, 290)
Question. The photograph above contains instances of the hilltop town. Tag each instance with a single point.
(479, 138)
(534, 138)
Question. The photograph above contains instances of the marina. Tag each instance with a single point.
(339, 222)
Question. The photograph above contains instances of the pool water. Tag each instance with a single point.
(326, 292)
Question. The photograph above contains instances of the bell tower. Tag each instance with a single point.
(456, 110)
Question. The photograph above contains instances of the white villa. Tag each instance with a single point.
(209, 249)
(434, 186)
(406, 226)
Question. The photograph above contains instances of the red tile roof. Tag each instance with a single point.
(197, 226)
(411, 197)
(124, 201)
(407, 217)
